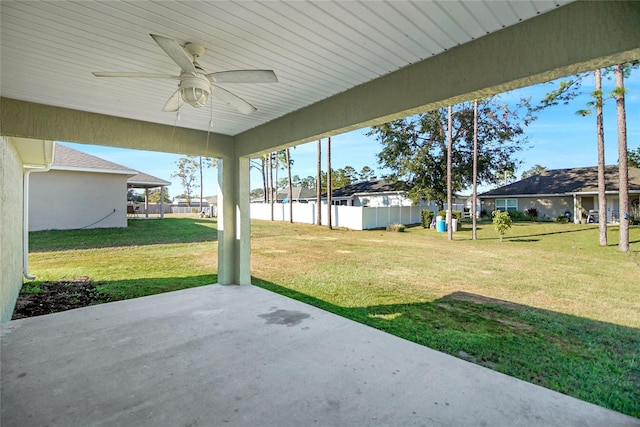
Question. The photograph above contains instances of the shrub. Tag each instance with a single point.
(563, 219)
(426, 218)
(399, 228)
(501, 222)
(531, 213)
(518, 216)
(456, 214)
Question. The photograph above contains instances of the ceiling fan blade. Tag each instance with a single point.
(175, 52)
(243, 76)
(134, 75)
(233, 100)
(174, 103)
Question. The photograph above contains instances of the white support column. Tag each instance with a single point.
(234, 227)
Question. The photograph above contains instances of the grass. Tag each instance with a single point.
(546, 305)
(148, 257)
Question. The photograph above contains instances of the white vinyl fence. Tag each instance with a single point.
(352, 217)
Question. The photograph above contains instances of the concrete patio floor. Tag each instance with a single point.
(243, 356)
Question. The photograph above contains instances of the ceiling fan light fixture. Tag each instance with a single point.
(195, 90)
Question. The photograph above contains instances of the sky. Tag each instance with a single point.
(558, 139)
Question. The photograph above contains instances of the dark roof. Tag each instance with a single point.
(566, 181)
(377, 186)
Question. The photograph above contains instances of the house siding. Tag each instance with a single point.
(550, 206)
(64, 200)
(11, 218)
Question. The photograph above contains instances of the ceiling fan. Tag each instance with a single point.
(195, 83)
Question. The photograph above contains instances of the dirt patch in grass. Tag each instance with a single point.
(53, 297)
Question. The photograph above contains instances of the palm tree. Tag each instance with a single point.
(602, 198)
(288, 159)
(623, 170)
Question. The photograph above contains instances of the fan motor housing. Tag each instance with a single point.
(194, 89)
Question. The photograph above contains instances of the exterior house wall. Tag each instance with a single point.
(378, 200)
(550, 206)
(11, 230)
(63, 200)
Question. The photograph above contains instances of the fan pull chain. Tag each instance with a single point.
(206, 150)
(175, 123)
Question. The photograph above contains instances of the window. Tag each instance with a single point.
(507, 204)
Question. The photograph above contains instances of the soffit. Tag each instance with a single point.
(317, 49)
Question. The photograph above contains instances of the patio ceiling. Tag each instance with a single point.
(320, 51)
(317, 49)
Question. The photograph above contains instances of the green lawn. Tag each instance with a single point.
(547, 305)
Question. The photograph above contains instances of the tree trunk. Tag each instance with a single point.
(449, 175)
(319, 185)
(265, 182)
(623, 170)
(201, 189)
(290, 186)
(271, 183)
(329, 184)
(474, 207)
(602, 198)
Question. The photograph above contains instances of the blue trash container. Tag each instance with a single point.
(441, 226)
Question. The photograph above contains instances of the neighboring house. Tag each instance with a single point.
(375, 193)
(298, 194)
(82, 191)
(382, 193)
(560, 191)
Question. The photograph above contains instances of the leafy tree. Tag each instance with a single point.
(533, 171)
(623, 168)
(132, 196)
(154, 196)
(366, 174)
(309, 182)
(187, 169)
(341, 177)
(204, 162)
(505, 176)
(501, 222)
(257, 193)
(634, 158)
(415, 148)
(261, 164)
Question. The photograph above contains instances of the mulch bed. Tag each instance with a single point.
(58, 296)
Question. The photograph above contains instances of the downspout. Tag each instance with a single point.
(25, 220)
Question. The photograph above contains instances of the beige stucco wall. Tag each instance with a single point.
(549, 206)
(61, 200)
(11, 246)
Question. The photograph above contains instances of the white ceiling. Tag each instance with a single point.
(317, 49)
